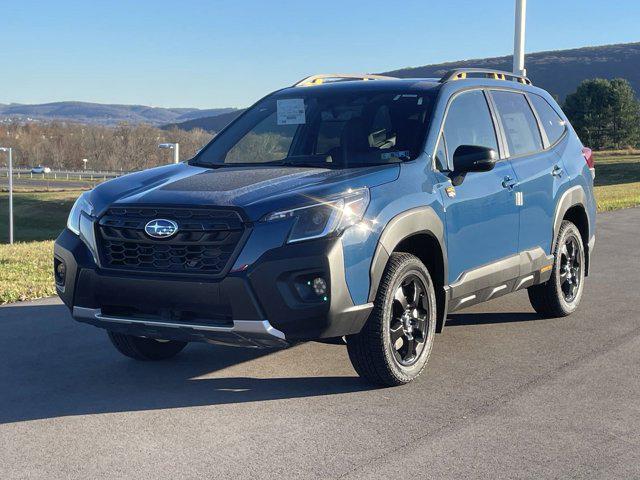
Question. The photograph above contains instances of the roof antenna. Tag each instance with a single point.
(518, 41)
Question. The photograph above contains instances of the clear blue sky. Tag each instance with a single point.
(190, 53)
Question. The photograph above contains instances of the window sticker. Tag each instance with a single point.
(291, 111)
(390, 155)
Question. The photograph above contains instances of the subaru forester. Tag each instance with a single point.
(355, 209)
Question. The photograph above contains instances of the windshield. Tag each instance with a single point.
(329, 130)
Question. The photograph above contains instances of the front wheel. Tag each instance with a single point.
(395, 343)
(560, 295)
(141, 348)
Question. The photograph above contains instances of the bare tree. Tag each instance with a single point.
(63, 145)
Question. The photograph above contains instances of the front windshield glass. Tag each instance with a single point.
(330, 130)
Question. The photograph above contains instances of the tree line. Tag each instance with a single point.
(605, 114)
(63, 145)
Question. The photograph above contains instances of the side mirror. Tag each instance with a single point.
(472, 158)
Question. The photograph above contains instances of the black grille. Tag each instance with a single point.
(206, 241)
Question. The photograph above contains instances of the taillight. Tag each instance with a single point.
(588, 156)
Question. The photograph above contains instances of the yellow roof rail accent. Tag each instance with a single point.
(338, 77)
(463, 73)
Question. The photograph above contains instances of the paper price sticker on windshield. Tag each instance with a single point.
(291, 111)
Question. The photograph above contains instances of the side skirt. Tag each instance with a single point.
(504, 276)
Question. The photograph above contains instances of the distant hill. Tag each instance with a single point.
(559, 71)
(104, 114)
(210, 124)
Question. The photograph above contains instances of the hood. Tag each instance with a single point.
(258, 190)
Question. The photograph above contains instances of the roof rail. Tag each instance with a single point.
(462, 73)
(337, 77)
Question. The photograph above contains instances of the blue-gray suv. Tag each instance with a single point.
(353, 209)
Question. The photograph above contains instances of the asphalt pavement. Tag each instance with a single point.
(506, 394)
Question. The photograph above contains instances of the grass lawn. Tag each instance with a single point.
(26, 271)
(617, 180)
(26, 267)
(37, 215)
(614, 197)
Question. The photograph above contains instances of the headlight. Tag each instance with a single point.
(82, 205)
(321, 219)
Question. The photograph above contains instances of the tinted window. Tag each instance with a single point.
(265, 142)
(469, 123)
(325, 128)
(519, 123)
(553, 123)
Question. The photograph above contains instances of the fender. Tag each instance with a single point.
(572, 197)
(411, 222)
(575, 196)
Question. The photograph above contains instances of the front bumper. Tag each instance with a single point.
(249, 333)
(260, 306)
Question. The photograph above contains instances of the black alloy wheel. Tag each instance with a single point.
(560, 295)
(409, 325)
(395, 344)
(570, 268)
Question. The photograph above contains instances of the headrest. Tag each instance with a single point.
(354, 136)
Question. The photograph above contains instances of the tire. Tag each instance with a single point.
(399, 324)
(561, 294)
(140, 348)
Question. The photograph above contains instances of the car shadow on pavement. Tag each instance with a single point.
(51, 366)
(459, 319)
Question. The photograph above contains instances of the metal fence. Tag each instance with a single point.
(82, 175)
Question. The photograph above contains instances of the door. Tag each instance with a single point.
(538, 170)
(481, 214)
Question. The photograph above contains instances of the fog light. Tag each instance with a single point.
(319, 286)
(60, 270)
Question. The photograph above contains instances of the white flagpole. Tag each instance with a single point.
(518, 41)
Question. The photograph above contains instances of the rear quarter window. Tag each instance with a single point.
(553, 124)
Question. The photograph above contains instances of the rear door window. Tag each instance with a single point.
(553, 124)
(469, 122)
(519, 123)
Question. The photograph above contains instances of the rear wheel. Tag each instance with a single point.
(395, 343)
(141, 348)
(560, 295)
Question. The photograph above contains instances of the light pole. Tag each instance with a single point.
(176, 150)
(518, 38)
(8, 149)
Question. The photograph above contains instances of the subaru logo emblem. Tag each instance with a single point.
(161, 228)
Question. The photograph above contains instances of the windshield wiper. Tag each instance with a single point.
(318, 161)
(310, 164)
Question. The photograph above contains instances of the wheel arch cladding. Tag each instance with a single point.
(572, 207)
(420, 232)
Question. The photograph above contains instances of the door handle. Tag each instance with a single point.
(557, 171)
(508, 182)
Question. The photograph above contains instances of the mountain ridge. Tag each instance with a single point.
(557, 71)
(103, 113)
